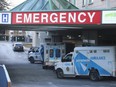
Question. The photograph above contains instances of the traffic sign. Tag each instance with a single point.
(5, 18)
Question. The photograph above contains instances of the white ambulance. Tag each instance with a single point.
(95, 62)
(52, 52)
(34, 55)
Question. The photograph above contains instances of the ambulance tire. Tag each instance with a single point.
(31, 59)
(44, 67)
(60, 74)
(94, 75)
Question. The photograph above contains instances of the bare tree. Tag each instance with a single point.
(4, 5)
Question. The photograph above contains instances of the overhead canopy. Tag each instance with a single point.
(53, 6)
(41, 5)
(37, 5)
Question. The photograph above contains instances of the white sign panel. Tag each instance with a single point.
(5, 18)
(108, 17)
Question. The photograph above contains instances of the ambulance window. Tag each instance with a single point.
(68, 58)
(46, 51)
(106, 51)
(58, 53)
(51, 52)
(90, 51)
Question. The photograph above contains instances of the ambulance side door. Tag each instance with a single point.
(68, 66)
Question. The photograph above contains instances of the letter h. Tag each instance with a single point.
(5, 18)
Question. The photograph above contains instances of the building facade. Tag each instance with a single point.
(94, 4)
(17, 35)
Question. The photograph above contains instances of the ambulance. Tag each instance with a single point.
(34, 55)
(95, 62)
(52, 53)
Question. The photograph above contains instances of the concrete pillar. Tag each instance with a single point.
(35, 40)
(42, 36)
(39, 38)
(16, 39)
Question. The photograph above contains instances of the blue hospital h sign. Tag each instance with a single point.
(5, 18)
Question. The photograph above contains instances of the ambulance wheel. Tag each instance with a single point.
(44, 67)
(60, 74)
(31, 60)
(94, 75)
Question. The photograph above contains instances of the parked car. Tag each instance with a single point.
(18, 47)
